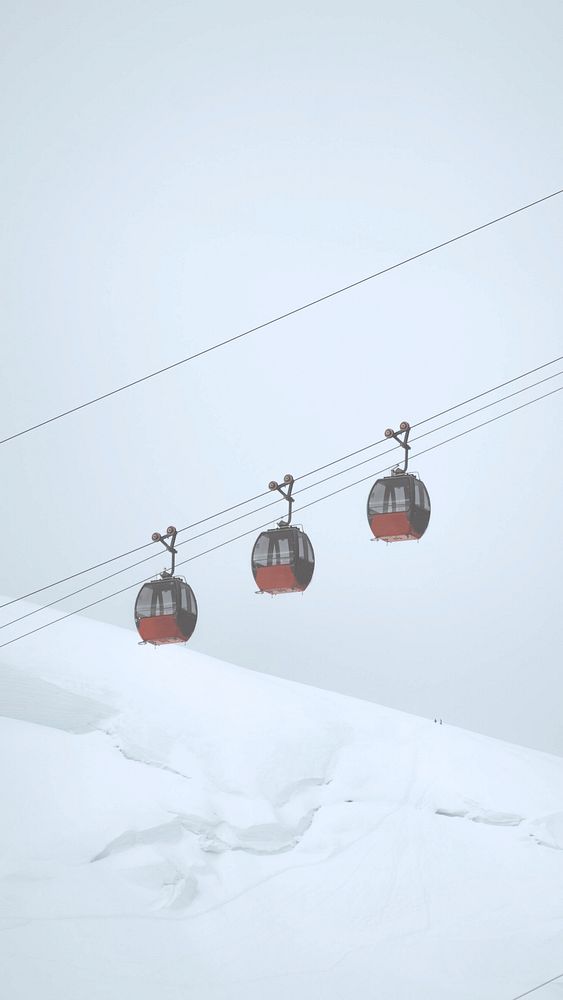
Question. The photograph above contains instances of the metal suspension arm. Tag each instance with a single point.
(404, 429)
(286, 494)
(171, 533)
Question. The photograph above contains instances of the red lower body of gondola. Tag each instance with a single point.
(393, 528)
(160, 630)
(277, 580)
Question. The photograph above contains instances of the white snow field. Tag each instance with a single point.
(177, 828)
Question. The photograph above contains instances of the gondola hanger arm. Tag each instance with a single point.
(288, 481)
(404, 429)
(171, 533)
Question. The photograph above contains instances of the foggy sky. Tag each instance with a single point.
(173, 173)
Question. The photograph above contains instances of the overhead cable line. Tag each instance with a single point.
(251, 531)
(540, 986)
(259, 496)
(426, 450)
(285, 315)
(434, 430)
(435, 416)
(272, 503)
(130, 552)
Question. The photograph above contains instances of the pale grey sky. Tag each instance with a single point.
(173, 173)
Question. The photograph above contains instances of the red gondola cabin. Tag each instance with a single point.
(283, 561)
(398, 508)
(165, 611)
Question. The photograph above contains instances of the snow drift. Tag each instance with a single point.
(176, 827)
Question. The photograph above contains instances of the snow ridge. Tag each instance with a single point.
(195, 829)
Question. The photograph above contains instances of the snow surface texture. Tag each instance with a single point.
(178, 828)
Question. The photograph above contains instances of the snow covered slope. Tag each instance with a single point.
(174, 827)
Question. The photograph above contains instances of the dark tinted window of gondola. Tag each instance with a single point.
(184, 598)
(422, 499)
(398, 499)
(143, 607)
(377, 498)
(272, 549)
(165, 600)
(156, 599)
(260, 554)
(280, 552)
(389, 496)
(187, 598)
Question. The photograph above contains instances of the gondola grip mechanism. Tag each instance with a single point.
(288, 483)
(171, 533)
(404, 429)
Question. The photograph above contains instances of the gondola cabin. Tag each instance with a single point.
(283, 561)
(165, 611)
(398, 508)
